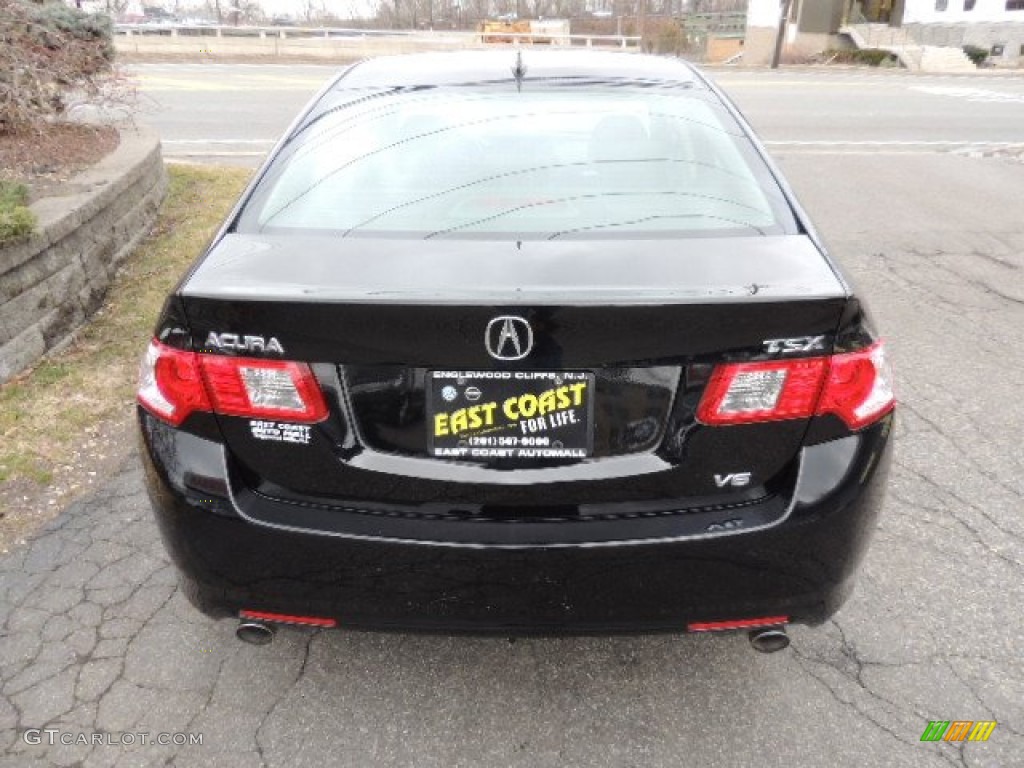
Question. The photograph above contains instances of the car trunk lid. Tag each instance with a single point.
(644, 321)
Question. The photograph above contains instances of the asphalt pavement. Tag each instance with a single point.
(917, 183)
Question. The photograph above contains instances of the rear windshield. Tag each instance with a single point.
(547, 162)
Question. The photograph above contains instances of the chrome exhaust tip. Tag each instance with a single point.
(254, 632)
(769, 639)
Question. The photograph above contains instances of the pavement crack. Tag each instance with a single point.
(849, 652)
(284, 695)
(956, 446)
(975, 533)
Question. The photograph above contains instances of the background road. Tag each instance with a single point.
(234, 112)
(96, 637)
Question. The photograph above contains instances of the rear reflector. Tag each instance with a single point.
(174, 383)
(855, 386)
(722, 626)
(284, 618)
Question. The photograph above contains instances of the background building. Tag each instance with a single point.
(816, 25)
(996, 25)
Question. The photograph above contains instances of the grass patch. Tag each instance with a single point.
(16, 220)
(43, 412)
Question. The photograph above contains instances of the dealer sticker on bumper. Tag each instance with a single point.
(510, 414)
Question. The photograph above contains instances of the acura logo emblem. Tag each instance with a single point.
(508, 337)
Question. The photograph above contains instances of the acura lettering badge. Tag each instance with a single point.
(508, 337)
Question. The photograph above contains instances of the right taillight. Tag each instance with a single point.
(858, 388)
(855, 386)
(174, 383)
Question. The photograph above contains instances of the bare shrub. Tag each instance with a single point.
(48, 53)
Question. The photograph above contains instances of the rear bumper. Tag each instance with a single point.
(801, 566)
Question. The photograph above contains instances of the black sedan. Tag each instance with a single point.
(517, 343)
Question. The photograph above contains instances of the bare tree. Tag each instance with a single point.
(313, 10)
(635, 13)
(116, 7)
(250, 11)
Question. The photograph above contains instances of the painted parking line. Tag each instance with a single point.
(235, 147)
(887, 147)
(771, 143)
(151, 83)
(214, 148)
(214, 153)
(888, 143)
(201, 142)
(982, 95)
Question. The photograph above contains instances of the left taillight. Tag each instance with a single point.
(855, 386)
(174, 383)
(170, 383)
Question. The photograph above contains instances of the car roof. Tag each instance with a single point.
(450, 68)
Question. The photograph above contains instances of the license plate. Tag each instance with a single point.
(510, 414)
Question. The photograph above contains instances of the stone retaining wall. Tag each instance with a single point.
(51, 283)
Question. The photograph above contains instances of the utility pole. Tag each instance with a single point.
(781, 34)
(642, 21)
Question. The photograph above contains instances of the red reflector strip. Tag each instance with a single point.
(284, 618)
(720, 626)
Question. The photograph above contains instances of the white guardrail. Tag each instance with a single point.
(341, 34)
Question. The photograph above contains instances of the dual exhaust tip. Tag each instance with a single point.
(763, 639)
